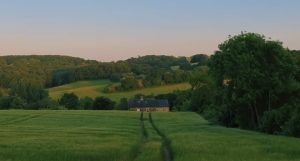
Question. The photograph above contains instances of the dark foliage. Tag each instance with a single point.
(123, 104)
(86, 103)
(200, 59)
(252, 83)
(102, 103)
(70, 101)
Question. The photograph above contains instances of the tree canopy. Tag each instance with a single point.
(256, 86)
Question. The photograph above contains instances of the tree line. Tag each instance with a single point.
(29, 96)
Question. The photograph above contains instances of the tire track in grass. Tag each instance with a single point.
(21, 119)
(144, 137)
(166, 143)
(3, 122)
(144, 131)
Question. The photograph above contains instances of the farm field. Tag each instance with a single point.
(193, 138)
(95, 88)
(130, 136)
(68, 135)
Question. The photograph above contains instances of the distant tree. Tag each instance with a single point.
(180, 76)
(171, 97)
(115, 77)
(1, 92)
(201, 59)
(203, 89)
(5, 102)
(29, 91)
(17, 103)
(64, 76)
(182, 102)
(86, 103)
(110, 88)
(123, 104)
(70, 101)
(183, 63)
(46, 103)
(129, 82)
(168, 78)
(102, 103)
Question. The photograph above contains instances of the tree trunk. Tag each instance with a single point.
(256, 113)
(269, 103)
(253, 118)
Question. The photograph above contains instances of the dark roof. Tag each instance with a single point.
(148, 103)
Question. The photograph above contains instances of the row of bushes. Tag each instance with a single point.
(16, 102)
(72, 101)
(68, 101)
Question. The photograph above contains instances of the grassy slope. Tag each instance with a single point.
(192, 138)
(95, 88)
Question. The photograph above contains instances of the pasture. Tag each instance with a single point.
(194, 139)
(68, 135)
(129, 136)
(95, 88)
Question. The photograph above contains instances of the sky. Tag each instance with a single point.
(110, 30)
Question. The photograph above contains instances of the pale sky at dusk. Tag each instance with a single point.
(108, 30)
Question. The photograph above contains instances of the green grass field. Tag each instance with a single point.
(95, 88)
(193, 138)
(68, 135)
(126, 136)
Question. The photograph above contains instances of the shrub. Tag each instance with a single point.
(123, 104)
(86, 103)
(292, 127)
(102, 103)
(17, 103)
(70, 101)
(5, 102)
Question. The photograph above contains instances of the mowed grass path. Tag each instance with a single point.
(194, 139)
(95, 88)
(69, 135)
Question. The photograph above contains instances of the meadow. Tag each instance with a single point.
(95, 88)
(194, 139)
(68, 135)
(129, 136)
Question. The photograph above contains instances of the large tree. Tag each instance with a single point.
(251, 72)
(29, 91)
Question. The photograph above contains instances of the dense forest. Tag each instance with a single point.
(37, 69)
(50, 71)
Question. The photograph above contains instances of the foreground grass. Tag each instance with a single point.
(126, 136)
(68, 135)
(95, 88)
(193, 139)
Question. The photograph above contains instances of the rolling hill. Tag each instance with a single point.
(95, 88)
